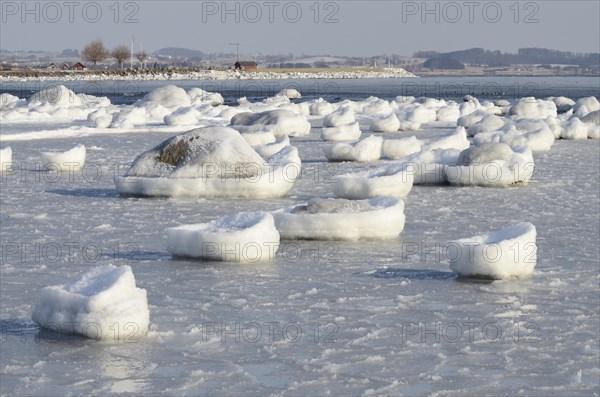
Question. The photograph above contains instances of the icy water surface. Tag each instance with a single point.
(326, 318)
(449, 88)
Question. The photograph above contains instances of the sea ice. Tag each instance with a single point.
(509, 253)
(492, 164)
(211, 162)
(384, 181)
(341, 125)
(246, 237)
(321, 107)
(455, 139)
(5, 158)
(385, 124)
(73, 159)
(291, 93)
(103, 299)
(364, 151)
(399, 148)
(583, 106)
(339, 219)
(531, 108)
(286, 122)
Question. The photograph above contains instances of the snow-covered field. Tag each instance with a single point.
(367, 317)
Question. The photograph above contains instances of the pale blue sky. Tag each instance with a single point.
(356, 28)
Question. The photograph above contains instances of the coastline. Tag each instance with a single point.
(152, 75)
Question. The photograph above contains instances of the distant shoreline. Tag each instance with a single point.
(8, 76)
(191, 74)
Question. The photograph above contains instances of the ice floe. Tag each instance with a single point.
(71, 160)
(509, 253)
(492, 164)
(93, 305)
(211, 162)
(247, 237)
(339, 219)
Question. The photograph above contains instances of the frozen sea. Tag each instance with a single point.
(326, 318)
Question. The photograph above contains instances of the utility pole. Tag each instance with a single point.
(131, 61)
(237, 51)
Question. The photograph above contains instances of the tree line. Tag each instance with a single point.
(96, 52)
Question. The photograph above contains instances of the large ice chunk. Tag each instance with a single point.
(169, 96)
(367, 150)
(583, 106)
(102, 299)
(5, 158)
(211, 162)
(246, 237)
(341, 125)
(388, 123)
(534, 134)
(350, 132)
(320, 107)
(574, 129)
(509, 253)
(73, 159)
(342, 116)
(196, 153)
(286, 122)
(384, 181)
(429, 166)
(592, 120)
(455, 139)
(398, 148)
(531, 108)
(339, 219)
(59, 96)
(290, 93)
(492, 164)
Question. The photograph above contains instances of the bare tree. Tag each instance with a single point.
(94, 52)
(120, 54)
(142, 56)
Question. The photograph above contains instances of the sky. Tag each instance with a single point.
(344, 28)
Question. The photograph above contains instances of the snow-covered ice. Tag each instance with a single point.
(385, 124)
(385, 181)
(72, 159)
(398, 148)
(429, 166)
(340, 219)
(455, 139)
(248, 237)
(341, 125)
(210, 162)
(532, 108)
(365, 308)
(5, 158)
(583, 106)
(364, 151)
(508, 253)
(291, 93)
(286, 122)
(492, 164)
(99, 305)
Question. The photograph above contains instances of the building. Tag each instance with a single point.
(66, 66)
(79, 66)
(245, 65)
